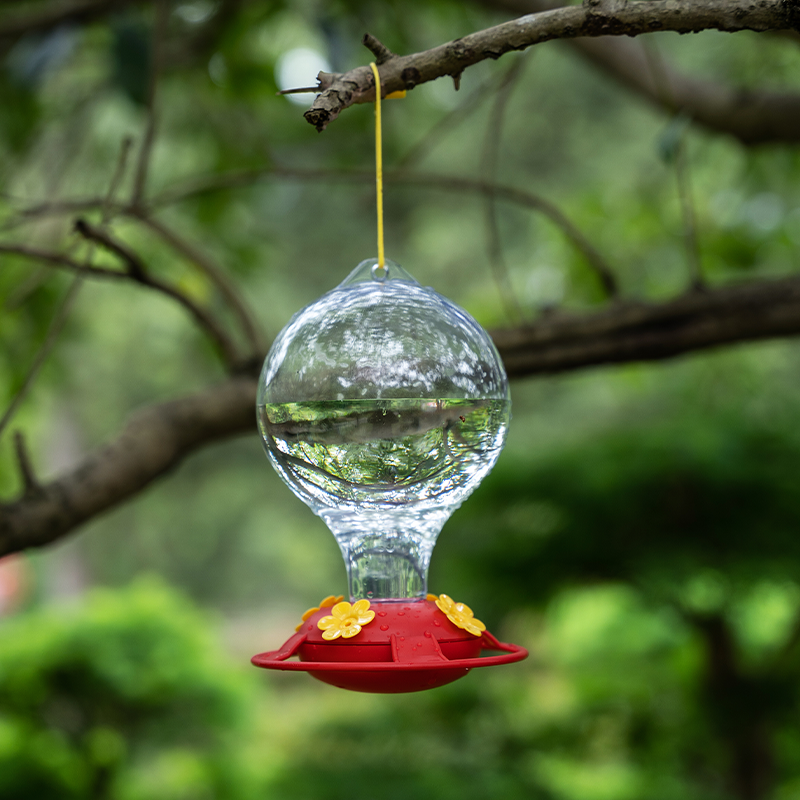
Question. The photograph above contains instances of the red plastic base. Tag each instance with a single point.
(409, 646)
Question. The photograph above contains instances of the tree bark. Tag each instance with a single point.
(153, 442)
(639, 331)
(753, 116)
(594, 18)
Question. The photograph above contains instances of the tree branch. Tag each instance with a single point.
(60, 260)
(57, 208)
(676, 153)
(58, 322)
(153, 442)
(160, 436)
(227, 288)
(736, 707)
(522, 198)
(436, 133)
(593, 18)
(381, 52)
(136, 271)
(691, 239)
(30, 485)
(752, 116)
(639, 331)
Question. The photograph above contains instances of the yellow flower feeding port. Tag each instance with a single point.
(346, 620)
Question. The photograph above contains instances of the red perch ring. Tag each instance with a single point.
(410, 645)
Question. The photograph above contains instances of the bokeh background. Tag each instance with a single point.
(640, 534)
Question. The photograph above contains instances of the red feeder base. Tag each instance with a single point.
(409, 646)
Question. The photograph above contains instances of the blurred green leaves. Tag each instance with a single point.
(98, 699)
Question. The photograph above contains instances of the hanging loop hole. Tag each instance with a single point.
(380, 273)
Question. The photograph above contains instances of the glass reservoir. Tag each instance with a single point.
(382, 406)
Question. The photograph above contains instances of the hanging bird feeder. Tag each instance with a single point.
(382, 406)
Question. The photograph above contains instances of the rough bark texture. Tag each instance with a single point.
(752, 116)
(630, 331)
(159, 437)
(593, 18)
(154, 441)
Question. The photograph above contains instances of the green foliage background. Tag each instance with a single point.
(641, 518)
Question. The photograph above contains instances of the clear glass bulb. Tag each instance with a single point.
(382, 406)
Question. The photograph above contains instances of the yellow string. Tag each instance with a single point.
(378, 162)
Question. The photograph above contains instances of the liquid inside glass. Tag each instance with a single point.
(385, 475)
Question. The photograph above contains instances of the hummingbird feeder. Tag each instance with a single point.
(382, 406)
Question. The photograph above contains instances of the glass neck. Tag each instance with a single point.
(380, 570)
(386, 555)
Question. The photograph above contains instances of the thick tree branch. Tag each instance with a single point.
(159, 437)
(593, 18)
(753, 116)
(639, 331)
(154, 441)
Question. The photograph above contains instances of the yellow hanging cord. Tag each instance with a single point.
(378, 162)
